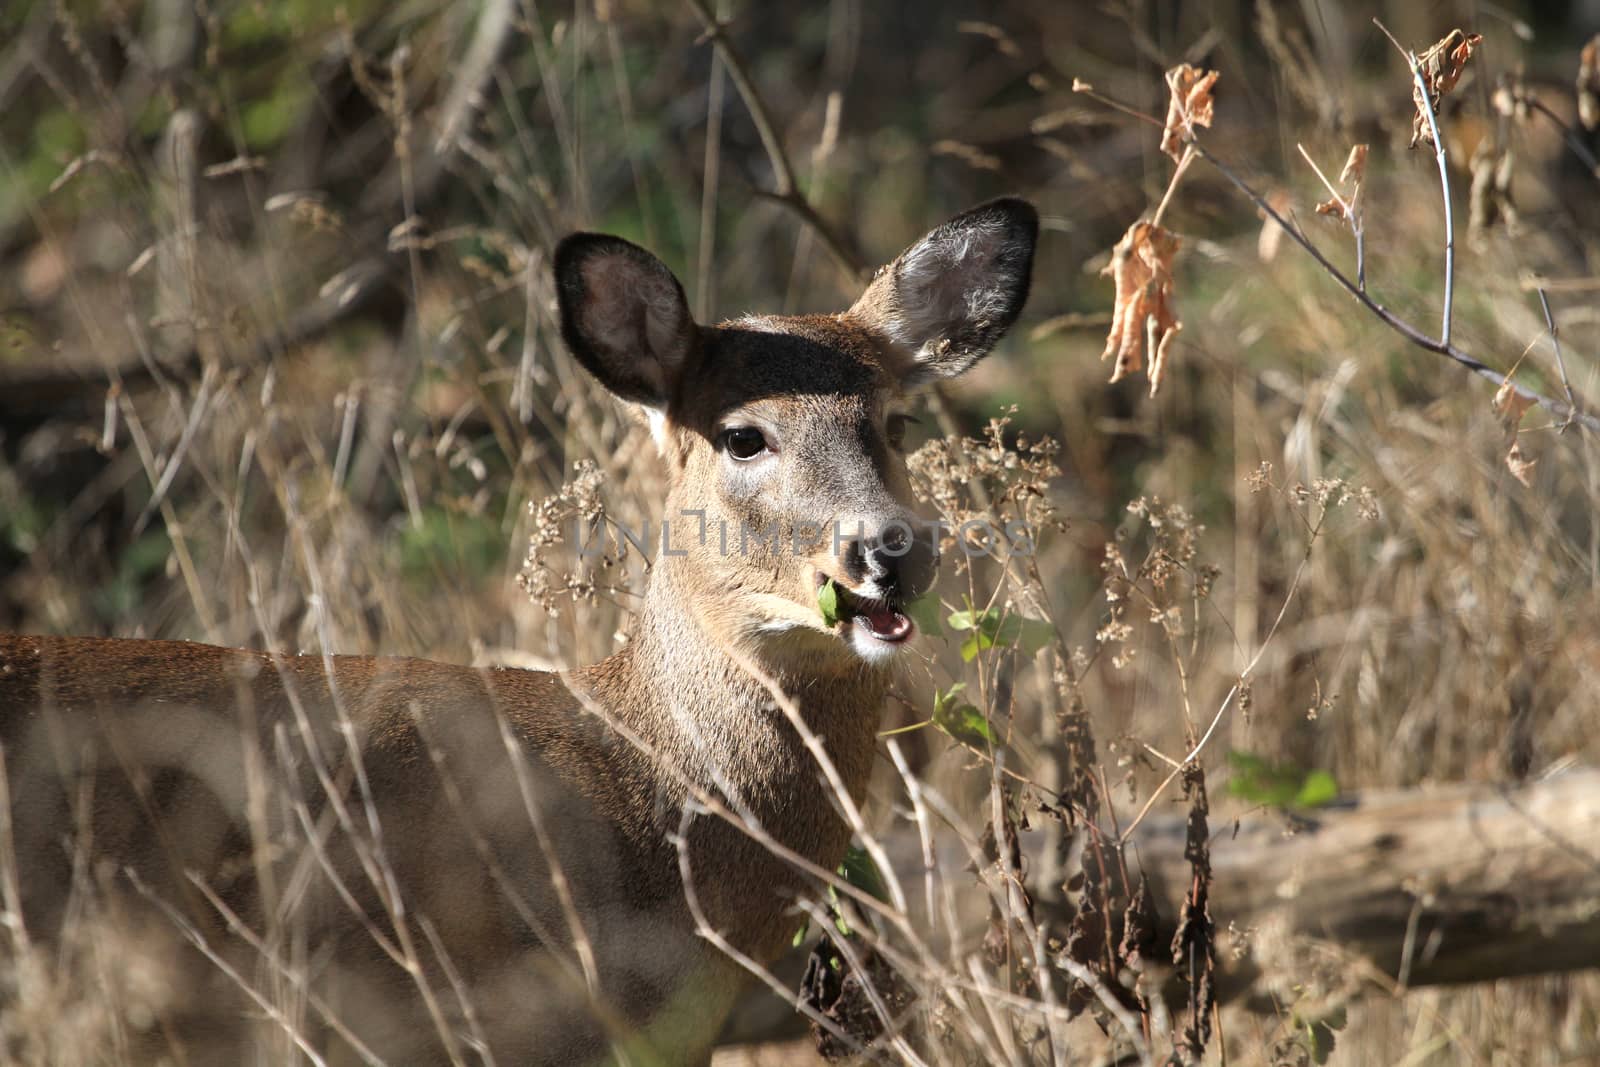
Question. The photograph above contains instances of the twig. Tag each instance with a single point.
(1351, 210)
(1574, 143)
(1393, 321)
(786, 190)
(704, 929)
(1172, 186)
(1561, 364)
(704, 299)
(1425, 102)
(1227, 700)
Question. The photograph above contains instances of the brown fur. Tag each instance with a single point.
(334, 804)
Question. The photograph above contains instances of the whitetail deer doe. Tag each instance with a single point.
(358, 859)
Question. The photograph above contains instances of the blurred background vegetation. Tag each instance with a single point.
(278, 366)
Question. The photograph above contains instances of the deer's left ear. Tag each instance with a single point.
(951, 296)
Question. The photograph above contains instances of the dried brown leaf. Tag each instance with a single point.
(1520, 466)
(1355, 166)
(1142, 316)
(1510, 404)
(1441, 68)
(1589, 84)
(1191, 104)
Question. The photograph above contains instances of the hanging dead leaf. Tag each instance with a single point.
(1520, 466)
(1355, 166)
(1510, 404)
(1441, 69)
(1142, 317)
(1589, 84)
(1190, 105)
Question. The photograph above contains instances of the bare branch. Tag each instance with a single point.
(787, 190)
(1393, 321)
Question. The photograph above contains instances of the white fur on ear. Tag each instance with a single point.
(951, 296)
(952, 281)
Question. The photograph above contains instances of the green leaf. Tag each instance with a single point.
(800, 934)
(1037, 634)
(1272, 785)
(924, 611)
(1318, 789)
(961, 620)
(839, 922)
(946, 700)
(994, 628)
(828, 602)
(859, 870)
(960, 720)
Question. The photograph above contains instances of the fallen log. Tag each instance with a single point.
(1433, 886)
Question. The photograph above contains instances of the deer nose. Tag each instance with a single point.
(894, 559)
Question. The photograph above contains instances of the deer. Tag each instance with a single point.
(359, 859)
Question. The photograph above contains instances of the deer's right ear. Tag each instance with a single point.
(623, 315)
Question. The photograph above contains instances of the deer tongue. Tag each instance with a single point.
(887, 625)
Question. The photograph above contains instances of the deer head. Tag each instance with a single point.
(783, 436)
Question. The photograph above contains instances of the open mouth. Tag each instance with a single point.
(877, 619)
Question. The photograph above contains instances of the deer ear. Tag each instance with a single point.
(951, 296)
(624, 317)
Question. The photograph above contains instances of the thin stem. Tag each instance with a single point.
(1561, 364)
(786, 190)
(1352, 215)
(1425, 102)
(1172, 186)
(1344, 206)
(1116, 105)
(704, 298)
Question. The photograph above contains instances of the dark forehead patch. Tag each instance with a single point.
(752, 359)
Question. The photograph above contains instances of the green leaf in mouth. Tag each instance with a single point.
(828, 602)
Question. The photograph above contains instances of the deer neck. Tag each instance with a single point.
(717, 724)
(721, 704)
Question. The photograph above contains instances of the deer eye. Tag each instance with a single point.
(896, 430)
(743, 442)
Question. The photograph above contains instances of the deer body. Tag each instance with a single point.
(417, 862)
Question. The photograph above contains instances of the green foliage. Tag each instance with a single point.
(857, 869)
(142, 561)
(925, 613)
(447, 540)
(269, 120)
(22, 523)
(1279, 785)
(1320, 1035)
(961, 720)
(994, 628)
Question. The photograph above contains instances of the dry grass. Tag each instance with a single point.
(362, 484)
